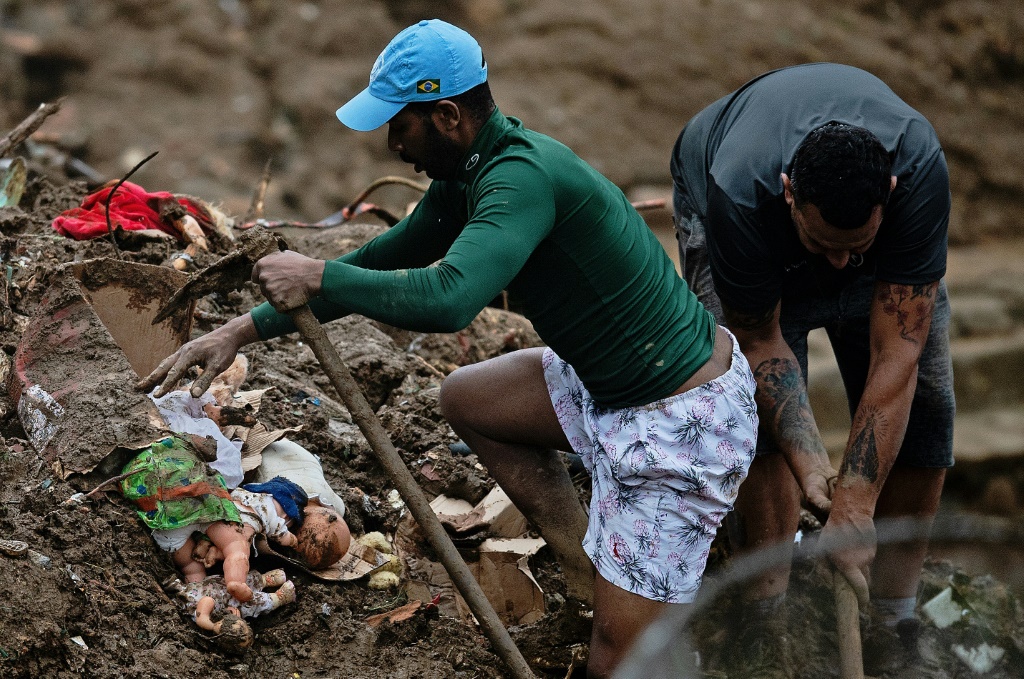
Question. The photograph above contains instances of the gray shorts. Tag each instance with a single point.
(844, 314)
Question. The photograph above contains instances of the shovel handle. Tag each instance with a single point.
(364, 417)
(851, 662)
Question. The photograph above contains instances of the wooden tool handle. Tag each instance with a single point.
(364, 417)
(851, 663)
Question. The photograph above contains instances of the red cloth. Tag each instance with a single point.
(131, 208)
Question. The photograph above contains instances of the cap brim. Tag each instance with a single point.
(365, 112)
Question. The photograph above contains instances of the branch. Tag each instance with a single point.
(110, 196)
(28, 126)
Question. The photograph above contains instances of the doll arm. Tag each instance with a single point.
(287, 538)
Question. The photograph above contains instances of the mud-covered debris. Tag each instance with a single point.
(13, 547)
(39, 559)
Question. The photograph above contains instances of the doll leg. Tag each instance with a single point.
(262, 602)
(233, 541)
(273, 578)
(194, 571)
(284, 595)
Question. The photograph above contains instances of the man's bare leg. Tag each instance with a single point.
(909, 492)
(619, 618)
(502, 410)
(769, 509)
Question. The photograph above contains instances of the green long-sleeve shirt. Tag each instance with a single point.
(528, 216)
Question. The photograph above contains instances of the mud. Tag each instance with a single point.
(218, 88)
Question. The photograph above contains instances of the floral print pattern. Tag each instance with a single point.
(664, 475)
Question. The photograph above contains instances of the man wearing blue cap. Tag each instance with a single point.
(637, 378)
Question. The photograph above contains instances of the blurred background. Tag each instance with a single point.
(218, 87)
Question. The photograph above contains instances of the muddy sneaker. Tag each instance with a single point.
(762, 651)
(893, 652)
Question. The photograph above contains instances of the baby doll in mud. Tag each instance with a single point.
(200, 522)
(322, 539)
(270, 509)
(209, 597)
(186, 504)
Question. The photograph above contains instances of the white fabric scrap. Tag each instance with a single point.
(184, 414)
(290, 460)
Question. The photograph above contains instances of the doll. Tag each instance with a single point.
(177, 495)
(209, 597)
(270, 509)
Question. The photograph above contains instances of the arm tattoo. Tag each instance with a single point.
(782, 397)
(742, 321)
(862, 457)
(910, 304)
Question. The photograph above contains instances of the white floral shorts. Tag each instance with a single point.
(663, 475)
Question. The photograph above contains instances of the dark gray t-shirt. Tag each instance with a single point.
(727, 164)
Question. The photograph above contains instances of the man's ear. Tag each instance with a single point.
(446, 115)
(787, 189)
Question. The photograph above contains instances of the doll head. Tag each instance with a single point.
(324, 536)
(234, 634)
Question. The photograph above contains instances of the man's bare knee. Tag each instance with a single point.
(454, 399)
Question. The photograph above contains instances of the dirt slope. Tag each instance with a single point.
(218, 88)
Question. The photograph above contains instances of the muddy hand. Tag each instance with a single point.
(288, 279)
(214, 352)
(817, 489)
(858, 542)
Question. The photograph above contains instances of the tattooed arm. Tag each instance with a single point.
(900, 318)
(782, 404)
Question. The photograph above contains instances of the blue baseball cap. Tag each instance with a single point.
(429, 61)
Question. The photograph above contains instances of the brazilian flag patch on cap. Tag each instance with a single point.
(428, 86)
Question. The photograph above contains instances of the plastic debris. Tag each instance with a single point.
(942, 610)
(980, 659)
(12, 184)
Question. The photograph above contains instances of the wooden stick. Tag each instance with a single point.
(383, 181)
(851, 662)
(113, 479)
(110, 196)
(28, 126)
(656, 204)
(259, 197)
(364, 417)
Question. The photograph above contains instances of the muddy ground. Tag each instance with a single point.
(218, 88)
